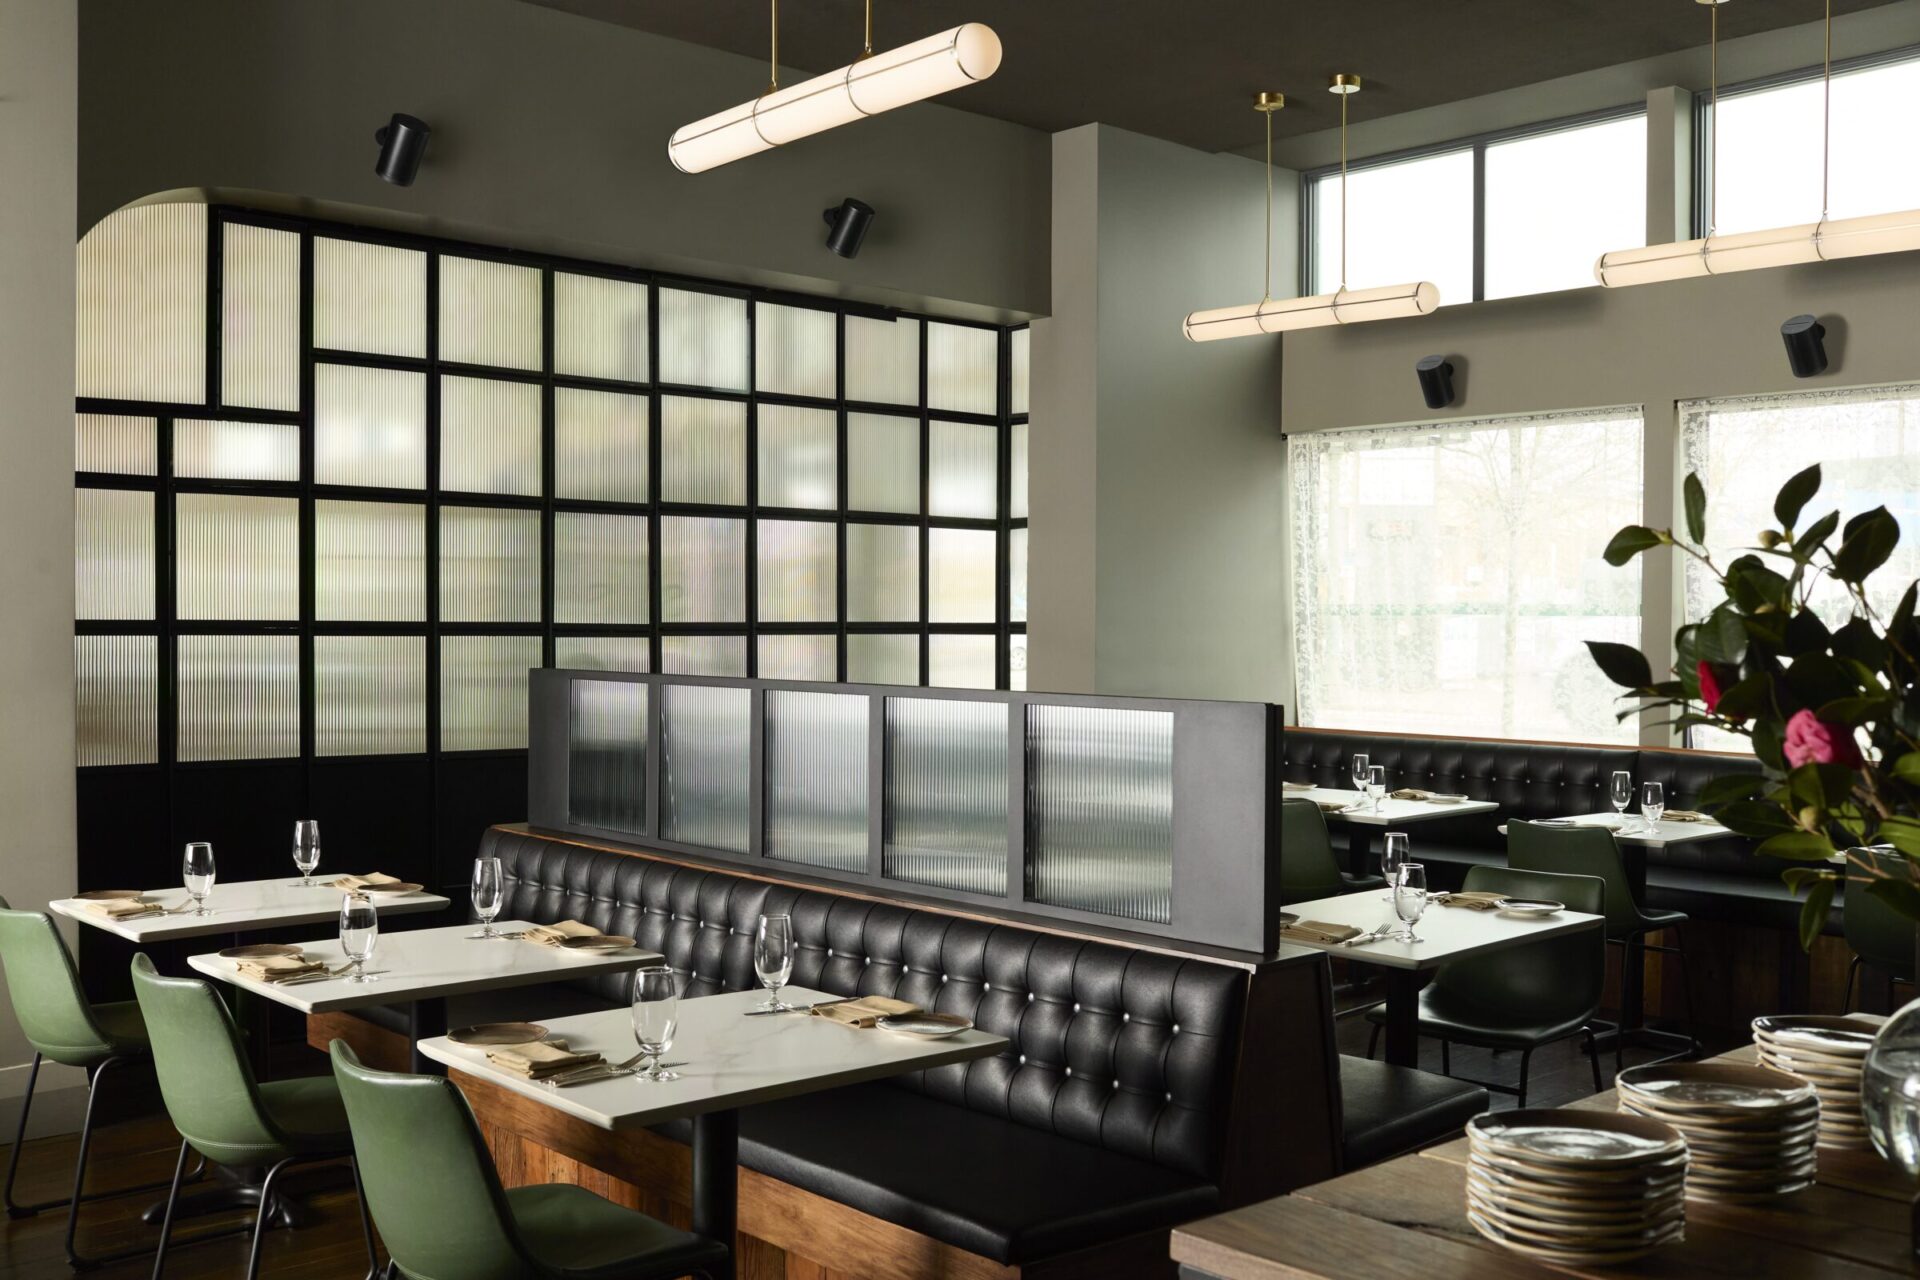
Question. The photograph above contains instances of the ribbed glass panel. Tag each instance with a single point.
(239, 697)
(602, 653)
(1100, 810)
(1020, 347)
(883, 360)
(259, 318)
(798, 457)
(238, 557)
(816, 779)
(1017, 497)
(599, 327)
(369, 427)
(706, 766)
(703, 340)
(1017, 662)
(141, 295)
(963, 473)
(489, 565)
(883, 659)
(798, 570)
(369, 695)
(963, 367)
(369, 561)
(703, 569)
(599, 445)
(960, 662)
(490, 436)
(883, 573)
(369, 297)
(236, 450)
(960, 575)
(703, 655)
(798, 658)
(794, 351)
(113, 553)
(946, 817)
(703, 450)
(483, 691)
(111, 443)
(1017, 575)
(489, 313)
(599, 568)
(883, 463)
(607, 755)
(116, 700)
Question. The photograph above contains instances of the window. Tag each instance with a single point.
(1445, 577)
(1770, 148)
(1867, 442)
(1547, 202)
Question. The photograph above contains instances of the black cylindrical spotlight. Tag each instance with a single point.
(847, 226)
(1436, 380)
(1806, 340)
(403, 143)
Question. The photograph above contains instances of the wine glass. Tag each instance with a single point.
(196, 870)
(306, 850)
(1621, 793)
(773, 958)
(1410, 898)
(656, 1012)
(488, 890)
(1359, 773)
(1653, 803)
(359, 931)
(1376, 786)
(1394, 851)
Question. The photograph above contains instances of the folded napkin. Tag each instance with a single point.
(1472, 899)
(865, 1011)
(1332, 806)
(556, 935)
(1410, 793)
(1684, 815)
(279, 968)
(538, 1059)
(1296, 786)
(121, 908)
(362, 882)
(1317, 931)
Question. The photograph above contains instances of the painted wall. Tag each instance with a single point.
(550, 132)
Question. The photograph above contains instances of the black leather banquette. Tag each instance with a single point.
(1710, 879)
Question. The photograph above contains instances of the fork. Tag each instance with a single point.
(1379, 932)
(592, 1067)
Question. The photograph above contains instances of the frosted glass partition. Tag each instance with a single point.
(1100, 810)
(816, 784)
(607, 775)
(706, 765)
(946, 822)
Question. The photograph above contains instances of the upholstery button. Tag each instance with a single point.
(1169, 1097)
(1023, 1059)
(1029, 997)
(986, 986)
(1126, 1017)
(1176, 1028)
(1069, 1071)
(1076, 1006)
(1116, 1086)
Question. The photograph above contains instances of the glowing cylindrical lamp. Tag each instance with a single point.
(1347, 306)
(1755, 250)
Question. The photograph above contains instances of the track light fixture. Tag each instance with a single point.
(847, 226)
(403, 144)
(1806, 340)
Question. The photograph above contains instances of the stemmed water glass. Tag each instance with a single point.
(1410, 898)
(1394, 851)
(1359, 773)
(656, 1013)
(773, 959)
(197, 873)
(1621, 793)
(1376, 786)
(488, 890)
(306, 850)
(1653, 803)
(359, 932)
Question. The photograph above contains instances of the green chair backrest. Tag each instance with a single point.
(47, 998)
(1556, 979)
(1308, 870)
(1878, 934)
(204, 1078)
(428, 1178)
(1576, 851)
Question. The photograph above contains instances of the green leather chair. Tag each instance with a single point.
(1877, 934)
(222, 1112)
(1591, 851)
(444, 1215)
(63, 1027)
(1523, 997)
(1308, 869)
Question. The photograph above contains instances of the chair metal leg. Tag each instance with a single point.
(1846, 1003)
(261, 1218)
(1526, 1065)
(366, 1219)
(1593, 1056)
(166, 1221)
(20, 1140)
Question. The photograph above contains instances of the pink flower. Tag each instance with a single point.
(1710, 689)
(1815, 741)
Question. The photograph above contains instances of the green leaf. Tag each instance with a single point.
(1752, 584)
(1815, 535)
(1903, 612)
(1794, 495)
(1818, 679)
(1907, 768)
(1695, 494)
(1621, 663)
(1797, 846)
(1631, 541)
(1858, 641)
(1766, 745)
(1755, 819)
(1728, 788)
(1855, 711)
(1825, 786)
(1806, 634)
(1903, 834)
(1869, 541)
(1897, 892)
(1747, 698)
(1814, 912)
(1722, 637)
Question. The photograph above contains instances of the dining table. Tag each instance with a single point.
(237, 908)
(1363, 817)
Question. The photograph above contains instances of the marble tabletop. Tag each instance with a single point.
(1392, 813)
(1446, 933)
(241, 906)
(1633, 829)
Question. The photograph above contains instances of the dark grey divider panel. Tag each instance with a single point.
(1144, 814)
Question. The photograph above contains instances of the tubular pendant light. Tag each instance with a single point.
(877, 82)
(1344, 305)
(1778, 246)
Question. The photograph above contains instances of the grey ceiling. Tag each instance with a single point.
(1185, 70)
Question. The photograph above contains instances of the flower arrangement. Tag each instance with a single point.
(1833, 711)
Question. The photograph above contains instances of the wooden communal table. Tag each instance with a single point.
(1407, 1218)
(1363, 819)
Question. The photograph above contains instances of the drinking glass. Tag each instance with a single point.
(1359, 773)
(1376, 786)
(773, 958)
(656, 1012)
(196, 870)
(306, 850)
(488, 890)
(1653, 803)
(1393, 855)
(1410, 898)
(1621, 792)
(359, 931)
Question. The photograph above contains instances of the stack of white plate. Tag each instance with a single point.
(1827, 1053)
(1750, 1130)
(1576, 1188)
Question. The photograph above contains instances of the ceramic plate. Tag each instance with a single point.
(1585, 1140)
(1827, 1034)
(1570, 1180)
(597, 942)
(1529, 906)
(259, 951)
(1713, 1086)
(109, 895)
(1553, 1230)
(400, 887)
(929, 1026)
(1577, 1257)
(498, 1033)
(1545, 1204)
